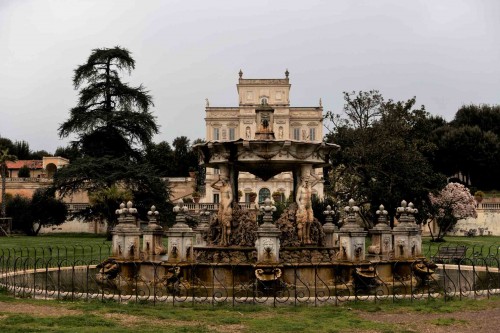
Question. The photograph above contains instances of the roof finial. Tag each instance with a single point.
(287, 73)
(241, 74)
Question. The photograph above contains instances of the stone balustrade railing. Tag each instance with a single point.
(489, 206)
(75, 207)
(28, 180)
(196, 207)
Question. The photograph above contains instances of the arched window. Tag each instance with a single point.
(51, 170)
(263, 194)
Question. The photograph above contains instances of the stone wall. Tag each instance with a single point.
(76, 226)
(487, 221)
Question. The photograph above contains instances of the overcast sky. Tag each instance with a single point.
(446, 53)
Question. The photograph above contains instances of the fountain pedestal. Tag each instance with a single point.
(351, 236)
(202, 229)
(268, 243)
(381, 236)
(152, 239)
(126, 234)
(407, 238)
(330, 229)
(180, 237)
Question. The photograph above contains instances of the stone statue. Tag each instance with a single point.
(207, 103)
(247, 133)
(305, 215)
(225, 213)
(280, 132)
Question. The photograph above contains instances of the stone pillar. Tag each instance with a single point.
(407, 239)
(352, 236)
(126, 234)
(330, 229)
(202, 228)
(381, 236)
(152, 239)
(268, 243)
(180, 237)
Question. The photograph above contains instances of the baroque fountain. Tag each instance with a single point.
(229, 253)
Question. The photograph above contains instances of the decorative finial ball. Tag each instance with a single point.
(381, 208)
(351, 202)
(129, 204)
(328, 207)
(268, 201)
(122, 205)
(403, 203)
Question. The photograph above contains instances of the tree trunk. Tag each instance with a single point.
(430, 230)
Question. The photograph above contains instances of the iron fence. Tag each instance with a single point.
(83, 272)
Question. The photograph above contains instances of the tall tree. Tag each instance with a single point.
(111, 118)
(385, 154)
(4, 158)
(113, 124)
(161, 156)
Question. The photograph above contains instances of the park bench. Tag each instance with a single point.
(447, 254)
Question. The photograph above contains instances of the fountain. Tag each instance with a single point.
(231, 246)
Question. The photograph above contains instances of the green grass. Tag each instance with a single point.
(96, 316)
(484, 245)
(73, 247)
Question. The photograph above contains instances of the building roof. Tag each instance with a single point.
(32, 164)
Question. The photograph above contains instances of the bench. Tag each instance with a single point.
(447, 254)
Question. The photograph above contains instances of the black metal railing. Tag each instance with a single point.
(79, 272)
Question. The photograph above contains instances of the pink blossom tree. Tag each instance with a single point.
(454, 202)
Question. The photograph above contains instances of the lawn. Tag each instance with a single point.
(84, 247)
(27, 315)
(478, 245)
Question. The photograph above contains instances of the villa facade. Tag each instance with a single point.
(230, 123)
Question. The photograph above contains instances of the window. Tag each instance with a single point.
(247, 197)
(216, 171)
(216, 198)
(215, 134)
(231, 134)
(312, 134)
(263, 194)
(296, 133)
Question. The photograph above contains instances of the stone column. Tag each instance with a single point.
(126, 234)
(381, 236)
(202, 228)
(330, 229)
(180, 237)
(268, 243)
(152, 239)
(407, 239)
(352, 236)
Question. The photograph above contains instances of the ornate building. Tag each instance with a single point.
(241, 123)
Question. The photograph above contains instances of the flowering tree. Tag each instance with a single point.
(454, 202)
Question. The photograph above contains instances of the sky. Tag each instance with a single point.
(446, 53)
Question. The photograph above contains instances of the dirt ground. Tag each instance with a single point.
(483, 321)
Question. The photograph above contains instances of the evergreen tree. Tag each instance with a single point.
(111, 118)
(113, 125)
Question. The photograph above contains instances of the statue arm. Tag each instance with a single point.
(215, 182)
(316, 178)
